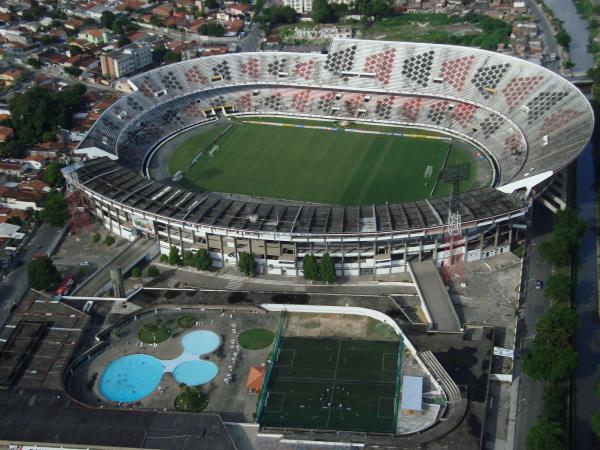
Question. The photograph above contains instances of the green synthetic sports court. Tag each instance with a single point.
(287, 160)
(334, 384)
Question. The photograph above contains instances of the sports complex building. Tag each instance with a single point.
(514, 124)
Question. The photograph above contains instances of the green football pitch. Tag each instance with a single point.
(334, 384)
(322, 166)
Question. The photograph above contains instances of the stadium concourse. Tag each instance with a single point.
(528, 121)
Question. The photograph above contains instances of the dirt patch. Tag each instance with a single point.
(337, 325)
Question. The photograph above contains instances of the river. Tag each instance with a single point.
(587, 340)
(578, 30)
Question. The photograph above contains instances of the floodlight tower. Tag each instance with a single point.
(79, 219)
(455, 245)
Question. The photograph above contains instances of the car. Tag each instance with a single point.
(539, 284)
(84, 263)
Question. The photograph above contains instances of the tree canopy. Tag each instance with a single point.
(52, 174)
(323, 11)
(174, 257)
(327, 269)
(567, 230)
(202, 259)
(37, 114)
(545, 435)
(310, 267)
(42, 274)
(56, 210)
(276, 15)
(246, 264)
(559, 287)
(212, 29)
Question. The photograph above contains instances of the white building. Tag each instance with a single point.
(305, 6)
(126, 61)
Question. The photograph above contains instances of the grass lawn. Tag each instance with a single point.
(153, 333)
(256, 339)
(180, 159)
(337, 167)
(191, 399)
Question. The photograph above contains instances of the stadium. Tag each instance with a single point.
(362, 153)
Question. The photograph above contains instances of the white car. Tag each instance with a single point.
(84, 263)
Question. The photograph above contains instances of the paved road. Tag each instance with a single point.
(14, 286)
(251, 41)
(529, 404)
(545, 27)
(130, 256)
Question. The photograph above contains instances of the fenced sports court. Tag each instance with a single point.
(334, 384)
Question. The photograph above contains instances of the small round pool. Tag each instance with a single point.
(130, 378)
(194, 373)
(200, 342)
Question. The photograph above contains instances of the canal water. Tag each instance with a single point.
(578, 30)
(587, 340)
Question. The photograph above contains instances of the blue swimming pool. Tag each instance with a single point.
(195, 373)
(200, 342)
(133, 377)
(130, 377)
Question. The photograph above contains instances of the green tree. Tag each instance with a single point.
(563, 38)
(73, 71)
(153, 272)
(566, 233)
(156, 21)
(559, 287)
(56, 210)
(96, 237)
(52, 174)
(310, 267)
(107, 19)
(136, 272)
(14, 220)
(34, 62)
(322, 11)
(246, 264)
(558, 324)
(212, 29)
(174, 258)
(42, 274)
(188, 258)
(554, 406)
(109, 240)
(202, 260)
(327, 269)
(549, 361)
(545, 435)
(596, 423)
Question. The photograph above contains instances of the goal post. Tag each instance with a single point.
(213, 150)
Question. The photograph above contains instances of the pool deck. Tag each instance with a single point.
(231, 400)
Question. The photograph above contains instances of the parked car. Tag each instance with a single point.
(539, 284)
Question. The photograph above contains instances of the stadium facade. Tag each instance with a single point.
(528, 121)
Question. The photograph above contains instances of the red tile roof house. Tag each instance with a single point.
(5, 133)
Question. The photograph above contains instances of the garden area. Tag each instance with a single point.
(154, 333)
(256, 339)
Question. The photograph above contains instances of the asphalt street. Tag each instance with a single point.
(529, 404)
(15, 284)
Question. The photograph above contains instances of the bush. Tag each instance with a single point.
(136, 272)
(163, 258)
(56, 210)
(596, 423)
(96, 237)
(186, 321)
(246, 264)
(153, 272)
(109, 240)
(202, 260)
(188, 258)
(174, 258)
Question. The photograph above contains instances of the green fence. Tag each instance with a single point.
(398, 378)
(260, 405)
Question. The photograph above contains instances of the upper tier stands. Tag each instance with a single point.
(528, 119)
